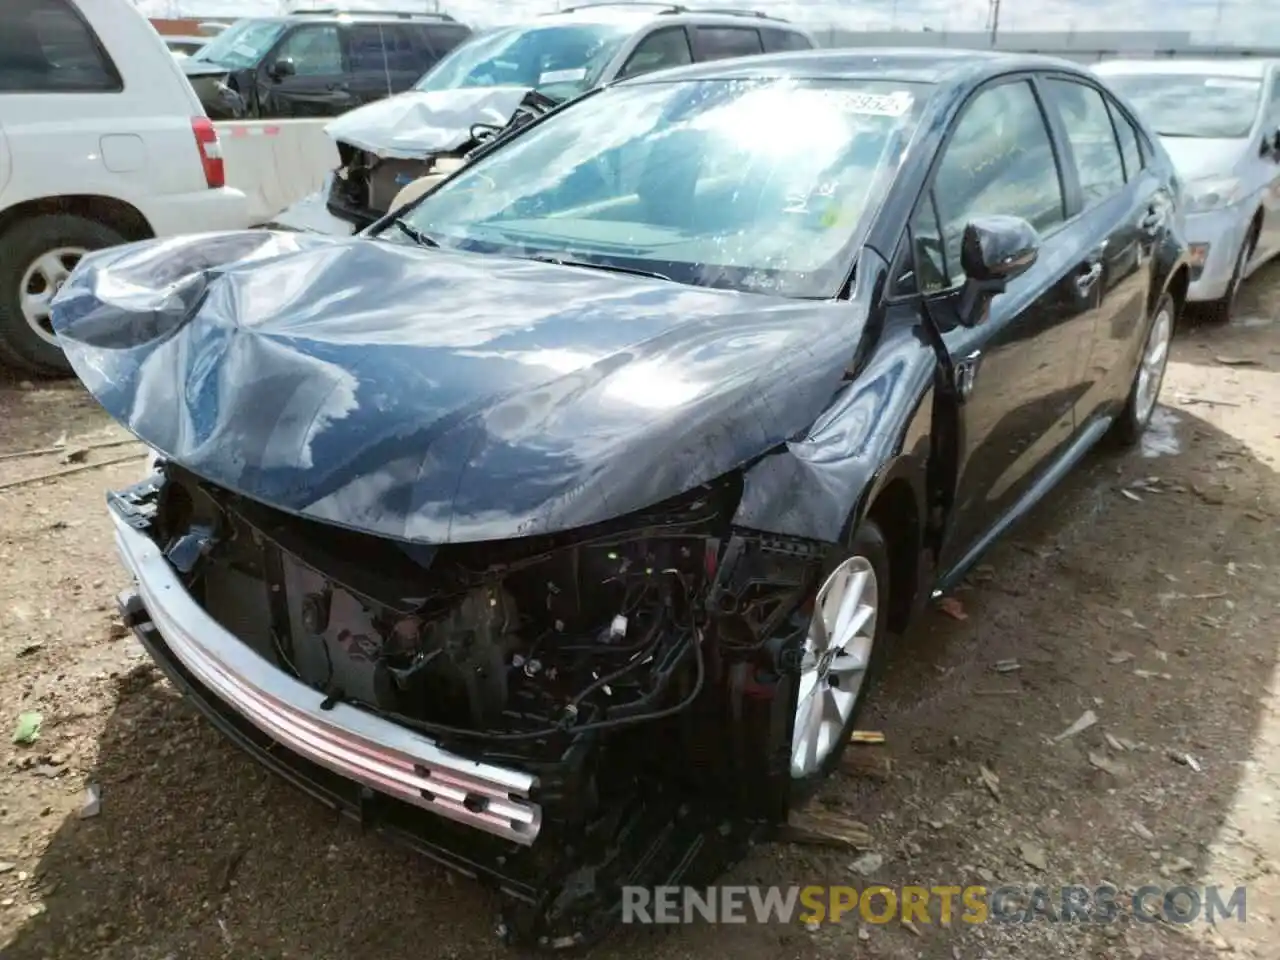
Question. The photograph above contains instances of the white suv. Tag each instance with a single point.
(102, 141)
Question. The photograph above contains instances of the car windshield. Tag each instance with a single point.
(241, 45)
(560, 61)
(761, 186)
(1191, 105)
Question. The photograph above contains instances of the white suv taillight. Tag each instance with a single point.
(215, 174)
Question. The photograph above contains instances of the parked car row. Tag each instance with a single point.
(557, 524)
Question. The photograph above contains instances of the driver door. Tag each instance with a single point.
(1010, 378)
(316, 85)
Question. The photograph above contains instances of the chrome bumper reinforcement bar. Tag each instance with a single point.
(377, 753)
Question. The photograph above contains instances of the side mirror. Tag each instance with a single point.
(284, 67)
(993, 251)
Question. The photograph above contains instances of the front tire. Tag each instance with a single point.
(1149, 377)
(842, 655)
(36, 257)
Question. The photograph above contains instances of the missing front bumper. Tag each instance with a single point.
(373, 752)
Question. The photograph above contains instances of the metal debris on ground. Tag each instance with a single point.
(912, 927)
(866, 736)
(989, 780)
(91, 806)
(1086, 720)
(1106, 764)
(1114, 742)
(28, 728)
(867, 864)
(1152, 674)
(1122, 656)
(1007, 666)
(1130, 494)
(1236, 361)
(824, 829)
(1186, 759)
(1033, 855)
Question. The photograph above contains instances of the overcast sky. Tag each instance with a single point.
(1240, 21)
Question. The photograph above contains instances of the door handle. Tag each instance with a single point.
(1086, 280)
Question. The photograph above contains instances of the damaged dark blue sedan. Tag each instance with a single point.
(556, 524)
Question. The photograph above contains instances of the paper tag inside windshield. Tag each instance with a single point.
(563, 76)
(1232, 83)
(877, 104)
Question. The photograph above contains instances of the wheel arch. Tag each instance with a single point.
(123, 217)
(895, 500)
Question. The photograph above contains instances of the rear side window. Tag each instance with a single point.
(1130, 152)
(720, 43)
(776, 41)
(444, 37)
(46, 47)
(1092, 138)
(408, 46)
(364, 48)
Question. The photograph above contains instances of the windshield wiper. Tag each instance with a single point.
(414, 234)
(609, 267)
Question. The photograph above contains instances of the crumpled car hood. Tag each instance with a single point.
(433, 396)
(414, 124)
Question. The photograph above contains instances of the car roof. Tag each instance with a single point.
(909, 64)
(321, 16)
(1224, 67)
(642, 14)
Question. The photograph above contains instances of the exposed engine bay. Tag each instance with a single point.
(365, 184)
(638, 668)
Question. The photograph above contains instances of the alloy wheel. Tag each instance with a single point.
(834, 662)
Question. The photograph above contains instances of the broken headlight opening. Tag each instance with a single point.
(632, 672)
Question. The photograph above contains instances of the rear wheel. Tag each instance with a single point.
(1149, 376)
(36, 257)
(842, 653)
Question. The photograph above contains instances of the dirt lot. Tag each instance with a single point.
(1145, 590)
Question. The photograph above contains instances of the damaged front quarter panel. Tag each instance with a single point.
(877, 430)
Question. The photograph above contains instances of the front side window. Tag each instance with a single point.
(1092, 138)
(721, 43)
(559, 61)
(315, 51)
(45, 47)
(999, 160)
(241, 45)
(753, 185)
(660, 50)
(1191, 105)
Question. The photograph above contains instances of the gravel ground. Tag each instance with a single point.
(1143, 590)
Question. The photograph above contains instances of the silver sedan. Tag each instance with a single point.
(1220, 122)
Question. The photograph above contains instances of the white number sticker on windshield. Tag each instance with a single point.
(876, 104)
(563, 76)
